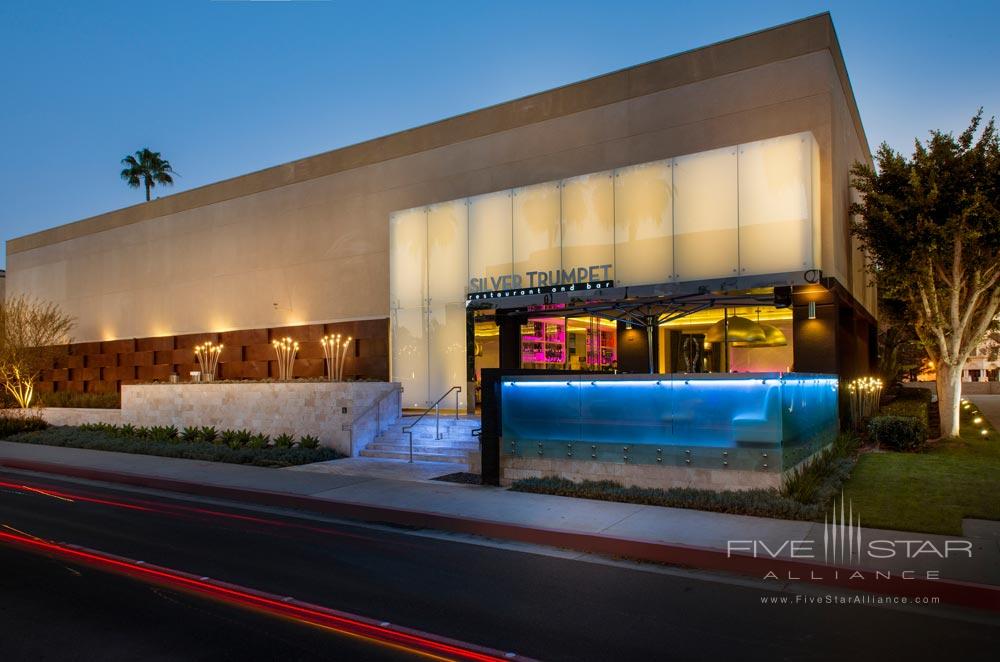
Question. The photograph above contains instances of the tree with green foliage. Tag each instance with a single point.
(147, 168)
(930, 225)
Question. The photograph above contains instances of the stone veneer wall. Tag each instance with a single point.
(79, 415)
(327, 410)
(104, 367)
(637, 475)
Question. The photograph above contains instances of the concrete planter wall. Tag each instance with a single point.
(341, 414)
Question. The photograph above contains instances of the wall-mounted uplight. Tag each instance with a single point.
(812, 310)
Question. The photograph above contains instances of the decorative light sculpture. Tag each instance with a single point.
(286, 349)
(334, 355)
(864, 394)
(208, 359)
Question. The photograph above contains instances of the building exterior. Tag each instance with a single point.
(608, 225)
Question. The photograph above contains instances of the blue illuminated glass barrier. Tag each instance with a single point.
(756, 421)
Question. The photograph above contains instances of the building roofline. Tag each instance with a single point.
(782, 42)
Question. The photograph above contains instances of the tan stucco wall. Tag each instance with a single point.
(316, 249)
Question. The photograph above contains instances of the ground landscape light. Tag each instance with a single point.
(334, 355)
(208, 359)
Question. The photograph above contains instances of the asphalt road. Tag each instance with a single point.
(541, 606)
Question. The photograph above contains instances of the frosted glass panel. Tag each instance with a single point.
(706, 237)
(490, 249)
(537, 240)
(409, 354)
(588, 225)
(408, 258)
(447, 352)
(447, 251)
(776, 205)
(644, 224)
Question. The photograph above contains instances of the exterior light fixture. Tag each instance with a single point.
(208, 359)
(977, 420)
(984, 432)
(865, 395)
(334, 355)
(812, 310)
(286, 349)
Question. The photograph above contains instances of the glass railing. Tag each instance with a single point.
(758, 421)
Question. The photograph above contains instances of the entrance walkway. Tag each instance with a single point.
(377, 467)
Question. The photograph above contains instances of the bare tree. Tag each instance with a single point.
(31, 332)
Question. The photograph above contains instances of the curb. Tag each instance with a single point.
(965, 594)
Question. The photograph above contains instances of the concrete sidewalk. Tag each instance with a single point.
(442, 504)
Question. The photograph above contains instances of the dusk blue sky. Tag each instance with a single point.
(227, 87)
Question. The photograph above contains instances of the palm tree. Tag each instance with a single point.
(147, 168)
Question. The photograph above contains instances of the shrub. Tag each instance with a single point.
(258, 441)
(21, 420)
(208, 434)
(901, 433)
(91, 438)
(191, 434)
(806, 483)
(308, 441)
(84, 400)
(230, 438)
(805, 495)
(914, 402)
(284, 440)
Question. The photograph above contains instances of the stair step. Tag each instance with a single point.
(418, 457)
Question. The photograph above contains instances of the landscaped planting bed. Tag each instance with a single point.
(232, 446)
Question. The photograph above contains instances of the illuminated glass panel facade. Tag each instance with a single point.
(740, 211)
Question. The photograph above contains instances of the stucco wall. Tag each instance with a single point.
(317, 250)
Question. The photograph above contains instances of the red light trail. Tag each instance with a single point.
(404, 639)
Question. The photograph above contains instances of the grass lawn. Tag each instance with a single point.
(932, 491)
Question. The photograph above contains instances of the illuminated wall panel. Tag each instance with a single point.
(409, 354)
(490, 243)
(706, 231)
(588, 224)
(447, 351)
(644, 224)
(775, 194)
(447, 251)
(408, 258)
(537, 235)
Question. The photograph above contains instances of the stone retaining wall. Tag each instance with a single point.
(80, 415)
(341, 414)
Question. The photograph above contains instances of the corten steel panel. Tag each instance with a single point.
(118, 346)
(148, 373)
(367, 357)
(251, 337)
(190, 340)
(163, 357)
(101, 360)
(137, 358)
(102, 387)
(87, 374)
(231, 354)
(77, 387)
(154, 344)
(308, 368)
(83, 348)
(310, 350)
(45, 387)
(300, 333)
(258, 353)
(255, 369)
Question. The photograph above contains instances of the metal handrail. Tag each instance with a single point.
(377, 405)
(408, 429)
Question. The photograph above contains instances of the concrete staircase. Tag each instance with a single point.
(455, 442)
